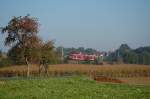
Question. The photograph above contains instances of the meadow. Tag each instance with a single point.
(72, 87)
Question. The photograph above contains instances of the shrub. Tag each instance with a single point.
(5, 62)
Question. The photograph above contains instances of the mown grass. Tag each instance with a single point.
(74, 87)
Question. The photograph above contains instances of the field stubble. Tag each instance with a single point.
(118, 70)
(128, 73)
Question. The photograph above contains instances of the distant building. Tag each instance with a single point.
(82, 56)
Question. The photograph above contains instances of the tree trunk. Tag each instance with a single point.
(28, 68)
(40, 69)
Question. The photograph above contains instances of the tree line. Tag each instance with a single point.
(127, 55)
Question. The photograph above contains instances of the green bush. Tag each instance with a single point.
(5, 62)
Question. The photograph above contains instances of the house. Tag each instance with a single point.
(82, 56)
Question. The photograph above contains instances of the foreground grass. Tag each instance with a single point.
(69, 88)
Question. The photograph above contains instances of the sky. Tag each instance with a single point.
(99, 24)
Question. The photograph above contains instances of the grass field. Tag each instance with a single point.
(74, 87)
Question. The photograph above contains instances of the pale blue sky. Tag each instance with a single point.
(99, 24)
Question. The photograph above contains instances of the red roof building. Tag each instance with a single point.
(81, 56)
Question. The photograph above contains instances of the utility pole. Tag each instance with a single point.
(62, 54)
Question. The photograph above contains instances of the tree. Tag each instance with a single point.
(0, 54)
(47, 56)
(81, 49)
(145, 57)
(90, 51)
(131, 58)
(18, 59)
(22, 33)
